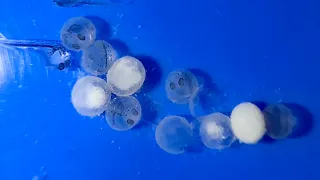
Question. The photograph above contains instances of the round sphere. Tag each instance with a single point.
(98, 58)
(174, 134)
(280, 121)
(215, 131)
(248, 123)
(78, 34)
(90, 96)
(123, 113)
(126, 76)
(181, 86)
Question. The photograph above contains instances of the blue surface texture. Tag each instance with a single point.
(248, 50)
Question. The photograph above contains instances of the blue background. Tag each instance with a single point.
(252, 50)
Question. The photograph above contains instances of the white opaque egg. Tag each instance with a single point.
(247, 122)
(126, 76)
(90, 96)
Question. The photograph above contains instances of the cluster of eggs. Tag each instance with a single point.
(91, 96)
(247, 123)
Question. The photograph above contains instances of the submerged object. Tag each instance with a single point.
(57, 55)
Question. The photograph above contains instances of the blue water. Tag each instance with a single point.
(249, 50)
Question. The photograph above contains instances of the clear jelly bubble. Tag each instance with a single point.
(174, 134)
(98, 58)
(280, 121)
(123, 113)
(78, 34)
(126, 76)
(181, 86)
(90, 96)
(215, 131)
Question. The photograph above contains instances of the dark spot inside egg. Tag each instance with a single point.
(81, 37)
(134, 112)
(61, 66)
(181, 82)
(76, 46)
(74, 28)
(130, 121)
(172, 86)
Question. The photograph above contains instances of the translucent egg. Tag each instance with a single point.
(181, 86)
(90, 96)
(98, 58)
(174, 134)
(248, 123)
(123, 113)
(215, 131)
(280, 121)
(126, 76)
(78, 34)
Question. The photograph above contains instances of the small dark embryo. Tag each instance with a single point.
(81, 37)
(181, 82)
(130, 121)
(134, 112)
(172, 86)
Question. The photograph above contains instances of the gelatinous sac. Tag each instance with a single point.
(215, 131)
(90, 96)
(98, 58)
(126, 76)
(123, 113)
(280, 121)
(78, 34)
(181, 86)
(174, 134)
